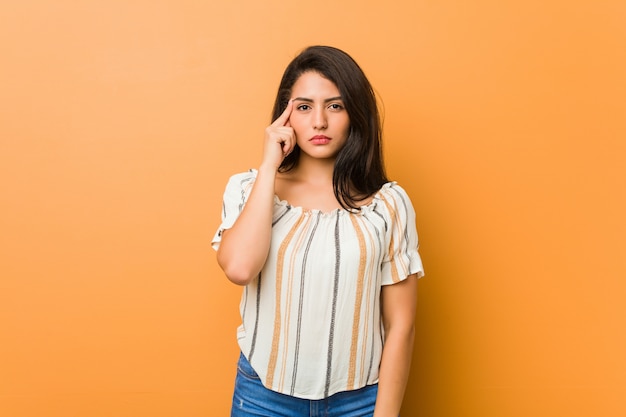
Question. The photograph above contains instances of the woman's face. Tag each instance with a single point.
(319, 117)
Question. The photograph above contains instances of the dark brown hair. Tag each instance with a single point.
(359, 169)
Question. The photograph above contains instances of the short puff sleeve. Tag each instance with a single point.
(235, 196)
(402, 257)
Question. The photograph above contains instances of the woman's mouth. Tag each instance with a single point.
(319, 140)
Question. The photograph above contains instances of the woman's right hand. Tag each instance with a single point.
(280, 139)
(245, 246)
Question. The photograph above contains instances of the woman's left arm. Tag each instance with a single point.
(398, 304)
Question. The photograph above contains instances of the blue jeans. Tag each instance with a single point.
(251, 398)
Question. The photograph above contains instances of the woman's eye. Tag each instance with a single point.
(336, 106)
(304, 107)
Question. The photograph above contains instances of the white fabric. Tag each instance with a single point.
(311, 322)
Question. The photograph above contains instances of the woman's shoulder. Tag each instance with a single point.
(242, 178)
(240, 182)
(393, 190)
(394, 197)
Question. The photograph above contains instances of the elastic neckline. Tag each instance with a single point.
(362, 209)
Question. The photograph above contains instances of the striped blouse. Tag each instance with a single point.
(311, 321)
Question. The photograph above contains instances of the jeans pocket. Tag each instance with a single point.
(245, 369)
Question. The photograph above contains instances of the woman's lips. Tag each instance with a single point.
(319, 140)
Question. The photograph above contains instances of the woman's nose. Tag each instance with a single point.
(319, 120)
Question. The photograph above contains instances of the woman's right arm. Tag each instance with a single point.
(244, 247)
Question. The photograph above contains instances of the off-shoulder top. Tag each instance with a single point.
(311, 321)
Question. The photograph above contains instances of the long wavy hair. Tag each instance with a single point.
(359, 168)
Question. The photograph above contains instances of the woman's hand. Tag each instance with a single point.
(280, 139)
(245, 246)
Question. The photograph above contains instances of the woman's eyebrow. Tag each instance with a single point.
(309, 100)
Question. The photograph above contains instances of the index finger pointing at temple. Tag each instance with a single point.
(284, 117)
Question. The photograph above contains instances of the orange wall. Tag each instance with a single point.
(120, 122)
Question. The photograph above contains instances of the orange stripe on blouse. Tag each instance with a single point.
(271, 367)
(395, 277)
(291, 274)
(357, 303)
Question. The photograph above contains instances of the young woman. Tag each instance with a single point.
(326, 248)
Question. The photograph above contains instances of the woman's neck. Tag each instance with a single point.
(309, 185)
(314, 171)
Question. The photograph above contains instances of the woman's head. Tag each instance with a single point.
(359, 170)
